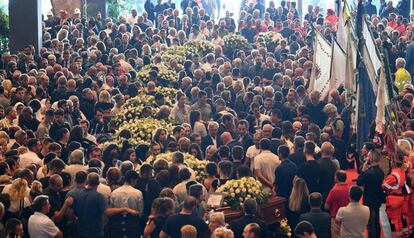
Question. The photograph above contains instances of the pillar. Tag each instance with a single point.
(25, 24)
(93, 6)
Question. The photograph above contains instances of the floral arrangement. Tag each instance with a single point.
(234, 41)
(271, 39)
(284, 229)
(199, 168)
(179, 53)
(133, 107)
(164, 73)
(169, 93)
(200, 47)
(195, 164)
(142, 130)
(236, 191)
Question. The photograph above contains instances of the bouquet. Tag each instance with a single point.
(142, 130)
(164, 73)
(271, 39)
(167, 75)
(200, 47)
(192, 162)
(132, 109)
(236, 191)
(234, 42)
(169, 93)
(284, 229)
(179, 53)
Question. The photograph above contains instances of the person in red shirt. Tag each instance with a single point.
(402, 28)
(332, 18)
(392, 22)
(337, 198)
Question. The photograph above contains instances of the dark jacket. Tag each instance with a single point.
(239, 225)
(205, 142)
(372, 179)
(320, 220)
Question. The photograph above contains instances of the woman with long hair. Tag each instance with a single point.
(181, 111)
(113, 176)
(19, 192)
(298, 201)
(216, 220)
(161, 209)
(130, 155)
(195, 151)
(110, 157)
(198, 126)
(161, 136)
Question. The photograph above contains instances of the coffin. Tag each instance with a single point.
(266, 212)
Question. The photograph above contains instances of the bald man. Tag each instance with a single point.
(226, 138)
(267, 131)
(328, 169)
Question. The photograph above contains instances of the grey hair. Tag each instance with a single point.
(77, 157)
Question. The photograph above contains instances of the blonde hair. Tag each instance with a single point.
(36, 189)
(220, 218)
(299, 193)
(18, 189)
(188, 231)
(105, 97)
(222, 232)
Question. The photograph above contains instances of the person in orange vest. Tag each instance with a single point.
(393, 186)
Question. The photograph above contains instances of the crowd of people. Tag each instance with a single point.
(248, 112)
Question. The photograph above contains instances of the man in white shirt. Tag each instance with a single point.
(132, 20)
(126, 196)
(40, 225)
(353, 218)
(265, 165)
(31, 157)
(253, 150)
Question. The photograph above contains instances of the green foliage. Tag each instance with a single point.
(120, 7)
(4, 31)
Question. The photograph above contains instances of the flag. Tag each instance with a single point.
(350, 64)
(344, 16)
(370, 56)
(321, 69)
(338, 70)
(382, 101)
(366, 109)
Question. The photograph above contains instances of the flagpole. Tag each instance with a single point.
(359, 65)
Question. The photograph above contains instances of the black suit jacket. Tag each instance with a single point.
(239, 225)
(320, 220)
(205, 142)
(372, 179)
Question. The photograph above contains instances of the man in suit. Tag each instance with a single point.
(250, 208)
(210, 139)
(243, 132)
(320, 220)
